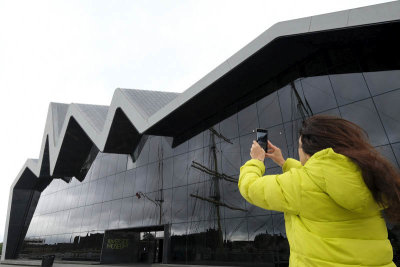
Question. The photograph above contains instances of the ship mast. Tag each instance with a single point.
(216, 177)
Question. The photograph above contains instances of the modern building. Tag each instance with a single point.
(153, 176)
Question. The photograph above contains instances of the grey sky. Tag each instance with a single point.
(80, 51)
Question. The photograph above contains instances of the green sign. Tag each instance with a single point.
(117, 243)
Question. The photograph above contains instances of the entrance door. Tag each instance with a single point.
(151, 247)
(143, 244)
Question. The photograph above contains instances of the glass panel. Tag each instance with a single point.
(153, 177)
(58, 217)
(396, 150)
(179, 204)
(246, 142)
(389, 110)
(364, 114)
(74, 182)
(167, 150)
(196, 206)
(180, 170)
(178, 243)
(144, 155)
(126, 213)
(73, 219)
(210, 159)
(196, 142)
(292, 137)
(42, 222)
(154, 148)
(269, 112)
(387, 152)
(382, 81)
(39, 207)
(79, 218)
(113, 164)
(207, 134)
(248, 120)
(256, 211)
(318, 92)
(68, 199)
(288, 101)
(140, 181)
(96, 167)
(277, 137)
(122, 161)
(268, 242)
(118, 185)
(88, 175)
(76, 191)
(105, 215)
(130, 164)
(349, 87)
(167, 206)
(50, 229)
(137, 211)
(64, 223)
(101, 185)
(182, 148)
(168, 165)
(108, 191)
(332, 112)
(235, 230)
(87, 215)
(60, 204)
(151, 209)
(83, 194)
(91, 193)
(129, 183)
(228, 128)
(230, 157)
(105, 165)
(115, 213)
(213, 190)
(96, 213)
(51, 204)
(196, 242)
(234, 200)
(195, 175)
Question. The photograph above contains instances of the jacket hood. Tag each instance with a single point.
(340, 178)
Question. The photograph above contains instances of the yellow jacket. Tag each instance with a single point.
(331, 217)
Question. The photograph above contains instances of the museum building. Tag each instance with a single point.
(153, 177)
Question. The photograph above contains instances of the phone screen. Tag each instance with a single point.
(262, 138)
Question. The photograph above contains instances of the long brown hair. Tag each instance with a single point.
(347, 138)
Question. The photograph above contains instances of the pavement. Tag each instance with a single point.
(13, 263)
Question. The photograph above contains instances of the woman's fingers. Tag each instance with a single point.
(270, 145)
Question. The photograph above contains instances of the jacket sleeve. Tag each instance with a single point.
(291, 163)
(273, 192)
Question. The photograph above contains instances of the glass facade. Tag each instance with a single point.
(209, 221)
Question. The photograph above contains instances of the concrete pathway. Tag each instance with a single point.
(30, 263)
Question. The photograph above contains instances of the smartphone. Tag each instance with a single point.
(262, 138)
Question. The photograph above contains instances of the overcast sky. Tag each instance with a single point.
(80, 51)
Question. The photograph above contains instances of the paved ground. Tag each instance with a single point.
(31, 263)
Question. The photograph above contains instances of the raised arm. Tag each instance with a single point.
(273, 192)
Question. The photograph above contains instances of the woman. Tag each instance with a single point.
(332, 198)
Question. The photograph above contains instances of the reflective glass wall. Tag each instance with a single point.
(194, 186)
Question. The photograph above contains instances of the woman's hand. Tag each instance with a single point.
(275, 154)
(256, 151)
